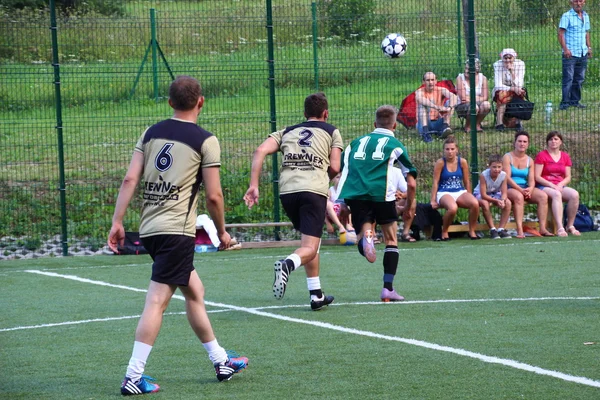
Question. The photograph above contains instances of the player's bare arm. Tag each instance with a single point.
(269, 146)
(116, 236)
(214, 202)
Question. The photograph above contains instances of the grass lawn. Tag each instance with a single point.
(500, 319)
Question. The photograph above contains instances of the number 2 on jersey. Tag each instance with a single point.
(378, 154)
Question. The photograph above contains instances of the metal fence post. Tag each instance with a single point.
(272, 102)
(59, 129)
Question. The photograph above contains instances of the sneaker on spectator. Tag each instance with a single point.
(494, 234)
(504, 234)
(446, 131)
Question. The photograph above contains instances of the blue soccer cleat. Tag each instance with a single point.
(233, 365)
(129, 387)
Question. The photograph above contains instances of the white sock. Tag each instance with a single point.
(313, 283)
(216, 353)
(138, 359)
(295, 259)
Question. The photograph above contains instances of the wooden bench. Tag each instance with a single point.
(275, 243)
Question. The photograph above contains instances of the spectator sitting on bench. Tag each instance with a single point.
(552, 175)
(417, 220)
(434, 108)
(492, 190)
(452, 188)
(521, 184)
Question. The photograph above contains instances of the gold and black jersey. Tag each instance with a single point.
(175, 151)
(306, 148)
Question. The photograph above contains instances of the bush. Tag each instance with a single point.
(68, 7)
(542, 12)
(351, 20)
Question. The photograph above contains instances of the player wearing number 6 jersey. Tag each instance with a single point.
(311, 157)
(366, 185)
(173, 158)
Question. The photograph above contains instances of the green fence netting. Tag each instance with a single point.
(117, 59)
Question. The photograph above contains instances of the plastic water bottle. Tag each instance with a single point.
(205, 248)
(548, 112)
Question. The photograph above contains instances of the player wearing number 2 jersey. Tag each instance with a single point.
(311, 157)
(366, 185)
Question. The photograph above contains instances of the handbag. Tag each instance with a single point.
(583, 220)
(520, 108)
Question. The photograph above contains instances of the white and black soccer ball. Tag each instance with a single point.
(393, 45)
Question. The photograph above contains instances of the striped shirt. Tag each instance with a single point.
(575, 32)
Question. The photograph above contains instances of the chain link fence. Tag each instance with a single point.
(77, 90)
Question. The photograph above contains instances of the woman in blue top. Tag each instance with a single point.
(452, 188)
(521, 184)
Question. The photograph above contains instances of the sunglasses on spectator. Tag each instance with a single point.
(508, 57)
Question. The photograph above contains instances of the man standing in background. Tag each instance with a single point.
(574, 38)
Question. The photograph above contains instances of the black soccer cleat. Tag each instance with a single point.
(316, 305)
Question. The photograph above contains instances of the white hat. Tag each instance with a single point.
(512, 52)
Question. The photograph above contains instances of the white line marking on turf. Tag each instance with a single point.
(87, 321)
(482, 357)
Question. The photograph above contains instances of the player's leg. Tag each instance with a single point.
(386, 214)
(363, 220)
(225, 366)
(307, 211)
(157, 300)
(318, 299)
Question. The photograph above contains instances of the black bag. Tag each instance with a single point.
(583, 220)
(520, 108)
(132, 245)
(426, 216)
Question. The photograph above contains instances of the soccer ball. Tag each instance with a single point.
(393, 45)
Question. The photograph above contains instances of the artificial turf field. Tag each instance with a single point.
(503, 319)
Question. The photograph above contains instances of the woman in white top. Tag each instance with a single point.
(483, 106)
(509, 75)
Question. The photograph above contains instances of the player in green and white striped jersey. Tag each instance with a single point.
(367, 187)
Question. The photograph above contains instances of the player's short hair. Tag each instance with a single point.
(184, 93)
(315, 104)
(494, 158)
(552, 134)
(385, 116)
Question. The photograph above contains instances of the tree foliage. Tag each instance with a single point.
(68, 7)
(351, 20)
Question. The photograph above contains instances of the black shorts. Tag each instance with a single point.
(173, 257)
(363, 211)
(306, 210)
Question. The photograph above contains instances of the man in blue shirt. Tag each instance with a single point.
(574, 38)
